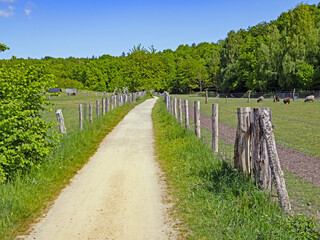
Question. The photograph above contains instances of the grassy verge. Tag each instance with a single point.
(211, 199)
(25, 198)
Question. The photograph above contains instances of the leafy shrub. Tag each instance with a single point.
(24, 136)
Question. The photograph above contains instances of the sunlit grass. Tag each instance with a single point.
(290, 119)
(212, 200)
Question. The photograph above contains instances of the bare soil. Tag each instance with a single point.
(118, 194)
(300, 164)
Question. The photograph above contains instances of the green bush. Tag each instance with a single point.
(24, 136)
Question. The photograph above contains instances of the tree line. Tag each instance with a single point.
(278, 55)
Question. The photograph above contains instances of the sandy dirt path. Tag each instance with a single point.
(117, 194)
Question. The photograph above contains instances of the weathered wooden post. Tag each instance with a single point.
(84, 111)
(61, 126)
(112, 104)
(180, 110)
(171, 105)
(215, 128)
(80, 117)
(242, 146)
(103, 106)
(186, 109)
(293, 93)
(261, 165)
(197, 118)
(175, 108)
(274, 162)
(90, 112)
(108, 104)
(249, 93)
(206, 96)
(98, 108)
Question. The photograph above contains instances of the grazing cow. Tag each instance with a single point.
(309, 98)
(260, 99)
(286, 100)
(276, 99)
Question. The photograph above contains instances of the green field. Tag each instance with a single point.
(70, 107)
(297, 124)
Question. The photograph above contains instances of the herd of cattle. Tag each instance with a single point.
(287, 99)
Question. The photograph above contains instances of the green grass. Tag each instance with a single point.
(25, 198)
(212, 200)
(297, 135)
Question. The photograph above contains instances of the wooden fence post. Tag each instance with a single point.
(80, 117)
(215, 128)
(175, 109)
(206, 96)
(186, 109)
(90, 112)
(108, 104)
(61, 126)
(197, 118)
(293, 93)
(242, 146)
(84, 111)
(103, 106)
(180, 110)
(261, 165)
(274, 161)
(171, 105)
(98, 108)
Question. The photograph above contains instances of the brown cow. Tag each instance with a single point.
(276, 99)
(286, 100)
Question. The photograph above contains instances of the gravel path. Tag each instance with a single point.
(118, 194)
(300, 164)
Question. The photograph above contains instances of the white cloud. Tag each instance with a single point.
(28, 8)
(7, 13)
(27, 11)
(8, 1)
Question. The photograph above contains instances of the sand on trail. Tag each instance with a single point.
(117, 194)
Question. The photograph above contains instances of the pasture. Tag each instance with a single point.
(297, 125)
(70, 107)
(293, 129)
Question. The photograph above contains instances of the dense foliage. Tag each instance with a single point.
(279, 55)
(24, 136)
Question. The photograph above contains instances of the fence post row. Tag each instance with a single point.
(60, 119)
(215, 128)
(197, 118)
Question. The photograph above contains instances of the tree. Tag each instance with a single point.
(25, 138)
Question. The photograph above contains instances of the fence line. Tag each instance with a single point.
(255, 151)
(105, 107)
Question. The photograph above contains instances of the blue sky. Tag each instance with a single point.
(82, 28)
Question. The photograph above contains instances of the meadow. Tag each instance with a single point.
(297, 125)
